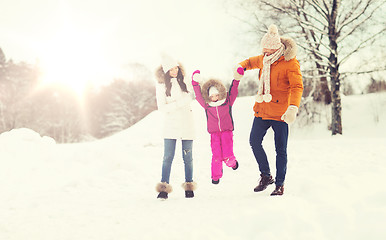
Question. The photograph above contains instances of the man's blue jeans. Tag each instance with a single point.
(258, 131)
(169, 150)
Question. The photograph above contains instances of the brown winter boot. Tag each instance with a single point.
(264, 182)
(279, 190)
(189, 187)
(163, 188)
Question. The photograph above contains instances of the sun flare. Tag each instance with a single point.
(74, 59)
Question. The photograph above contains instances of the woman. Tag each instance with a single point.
(173, 99)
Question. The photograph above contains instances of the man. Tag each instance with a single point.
(277, 102)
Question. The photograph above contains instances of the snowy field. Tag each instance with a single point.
(105, 190)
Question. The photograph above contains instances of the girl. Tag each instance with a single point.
(173, 99)
(218, 108)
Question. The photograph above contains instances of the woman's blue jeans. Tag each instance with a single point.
(169, 150)
(258, 131)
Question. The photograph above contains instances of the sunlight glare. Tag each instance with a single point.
(74, 59)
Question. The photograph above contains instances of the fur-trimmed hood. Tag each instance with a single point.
(291, 48)
(213, 83)
(160, 74)
(219, 113)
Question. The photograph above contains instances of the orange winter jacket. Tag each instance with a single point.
(286, 82)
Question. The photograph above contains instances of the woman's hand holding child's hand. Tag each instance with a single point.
(238, 72)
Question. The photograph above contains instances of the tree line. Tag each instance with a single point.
(330, 34)
(57, 111)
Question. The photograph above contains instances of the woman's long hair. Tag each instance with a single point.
(180, 80)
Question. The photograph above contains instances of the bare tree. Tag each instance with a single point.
(16, 82)
(123, 102)
(331, 32)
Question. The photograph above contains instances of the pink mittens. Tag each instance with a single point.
(238, 72)
(196, 77)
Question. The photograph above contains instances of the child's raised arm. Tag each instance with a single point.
(196, 76)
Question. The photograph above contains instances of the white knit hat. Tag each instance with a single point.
(271, 39)
(168, 62)
(213, 90)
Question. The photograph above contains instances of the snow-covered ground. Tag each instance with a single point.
(105, 190)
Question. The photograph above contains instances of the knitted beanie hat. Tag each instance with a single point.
(271, 39)
(168, 62)
(213, 90)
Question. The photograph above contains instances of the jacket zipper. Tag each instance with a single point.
(218, 122)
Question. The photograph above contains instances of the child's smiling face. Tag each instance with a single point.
(214, 97)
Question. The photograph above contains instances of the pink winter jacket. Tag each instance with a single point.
(219, 118)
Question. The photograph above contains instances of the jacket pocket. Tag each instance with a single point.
(256, 107)
(278, 105)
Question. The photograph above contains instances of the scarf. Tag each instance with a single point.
(264, 90)
(216, 104)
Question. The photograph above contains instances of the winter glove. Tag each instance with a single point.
(290, 115)
(238, 72)
(196, 77)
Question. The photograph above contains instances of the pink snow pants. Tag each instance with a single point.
(222, 151)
